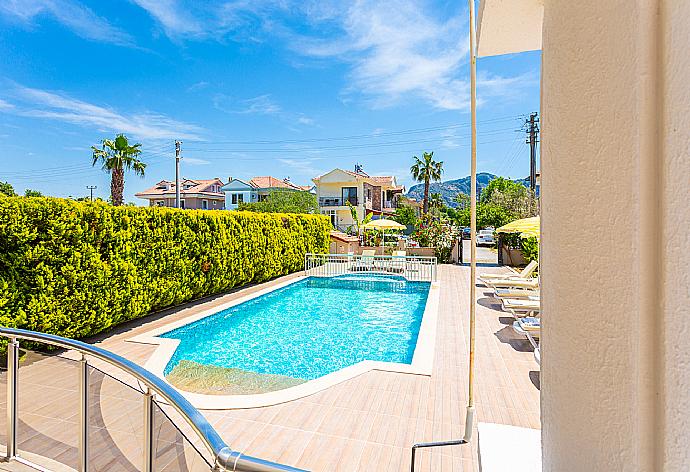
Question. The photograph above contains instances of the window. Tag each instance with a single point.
(350, 195)
(214, 203)
(237, 198)
(182, 203)
(160, 203)
(369, 194)
(204, 204)
(332, 215)
(262, 198)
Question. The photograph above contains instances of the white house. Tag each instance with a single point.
(255, 190)
(368, 194)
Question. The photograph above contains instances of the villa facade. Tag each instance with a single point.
(256, 189)
(195, 194)
(368, 194)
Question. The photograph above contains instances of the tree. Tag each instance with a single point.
(7, 189)
(406, 215)
(426, 170)
(32, 193)
(436, 201)
(284, 201)
(116, 156)
(463, 200)
(512, 196)
(488, 214)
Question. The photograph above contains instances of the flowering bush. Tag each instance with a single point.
(440, 236)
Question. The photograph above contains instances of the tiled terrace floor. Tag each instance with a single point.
(364, 424)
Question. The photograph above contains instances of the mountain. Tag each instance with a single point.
(450, 188)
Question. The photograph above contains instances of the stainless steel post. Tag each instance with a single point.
(83, 414)
(148, 431)
(12, 374)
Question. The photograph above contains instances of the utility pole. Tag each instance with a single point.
(532, 140)
(177, 173)
(91, 189)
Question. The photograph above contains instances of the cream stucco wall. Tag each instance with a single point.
(331, 185)
(615, 261)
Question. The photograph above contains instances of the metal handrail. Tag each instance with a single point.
(224, 458)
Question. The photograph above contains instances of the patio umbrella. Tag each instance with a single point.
(527, 227)
(383, 225)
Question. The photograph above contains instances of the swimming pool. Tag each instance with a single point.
(310, 328)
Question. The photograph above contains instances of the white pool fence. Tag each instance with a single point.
(415, 268)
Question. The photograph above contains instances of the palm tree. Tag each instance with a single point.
(425, 170)
(116, 156)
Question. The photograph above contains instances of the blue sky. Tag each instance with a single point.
(263, 87)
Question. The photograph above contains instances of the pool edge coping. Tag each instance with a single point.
(422, 359)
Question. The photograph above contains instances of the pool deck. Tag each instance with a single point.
(369, 423)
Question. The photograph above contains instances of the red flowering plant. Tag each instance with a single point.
(436, 234)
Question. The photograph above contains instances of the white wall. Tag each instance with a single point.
(615, 261)
(246, 196)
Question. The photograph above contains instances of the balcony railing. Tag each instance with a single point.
(415, 268)
(105, 434)
(336, 201)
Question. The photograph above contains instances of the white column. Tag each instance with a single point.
(615, 262)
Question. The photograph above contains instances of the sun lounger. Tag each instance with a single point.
(521, 305)
(398, 261)
(530, 284)
(525, 274)
(529, 326)
(515, 293)
(365, 262)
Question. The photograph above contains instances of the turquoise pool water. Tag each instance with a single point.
(310, 328)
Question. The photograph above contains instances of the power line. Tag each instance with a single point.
(63, 172)
(362, 136)
(407, 150)
(340, 147)
(508, 154)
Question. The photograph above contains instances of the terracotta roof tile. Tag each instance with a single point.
(167, 187)
(272, 182)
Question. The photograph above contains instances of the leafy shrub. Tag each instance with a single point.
(76, 269)
(406, 215)
(530, 249)
(284, 201)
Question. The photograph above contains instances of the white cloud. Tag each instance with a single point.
(396, 50)
(198, 86)
(261, 105)
(38, 103)
(304, 120)
(172, 16)
(73, 15)
(195, 161)
(305, 168)
(5, 105)
(195, 20)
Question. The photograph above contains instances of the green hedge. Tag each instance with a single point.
(76, 269)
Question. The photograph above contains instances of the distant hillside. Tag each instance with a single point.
(450, 188)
